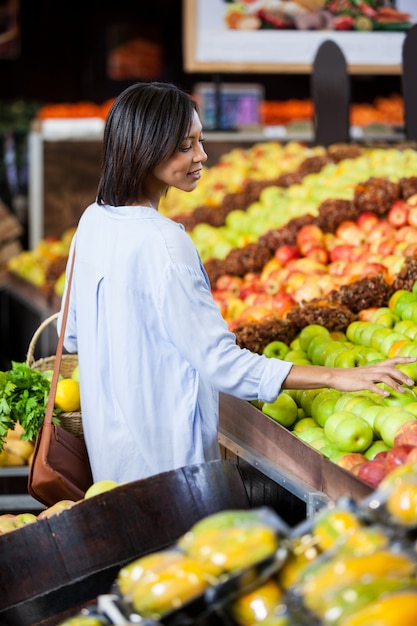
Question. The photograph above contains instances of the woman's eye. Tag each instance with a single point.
(185, 148)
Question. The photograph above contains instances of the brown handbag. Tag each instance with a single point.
(60, 467)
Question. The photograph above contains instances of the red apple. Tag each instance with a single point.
(410, 250)
(317, 253)
(282, 302)
(381, 230)
(366, 221)
(412, 216)
(397, 456)
(386, 246)
(372, 471)
(398, 214)
(309, 235)
(229, 283)
(221, 302)
(286, 252)
(406, 434)
(412, 456)
(255, 313)
(349, 232)
(349, 460)
(407, 233)
(341, 251)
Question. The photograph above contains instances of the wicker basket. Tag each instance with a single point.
(72, 422)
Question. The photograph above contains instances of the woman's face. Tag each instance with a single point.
(183, 169)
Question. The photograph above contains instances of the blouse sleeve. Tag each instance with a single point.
(195, 325)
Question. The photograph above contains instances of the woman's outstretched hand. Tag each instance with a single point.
(352, 378)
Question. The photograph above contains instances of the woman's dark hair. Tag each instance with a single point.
(146, 124)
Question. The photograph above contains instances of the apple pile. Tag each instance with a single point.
(11, 521)
(365, 433)
(319, 263)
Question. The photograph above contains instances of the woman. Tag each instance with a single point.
(153, 349)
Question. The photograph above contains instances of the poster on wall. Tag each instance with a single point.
(284, 35)
(9, 29)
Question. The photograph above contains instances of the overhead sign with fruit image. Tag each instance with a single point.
(284, 35)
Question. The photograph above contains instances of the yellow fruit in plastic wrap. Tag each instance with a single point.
(303, 552)
(364, 540)
(255, 606)
(145, 566)
(169, 588)
(341, 571)
(397, 609)
(401, 504)
(230, 540)
(337, 605)
(332, 524)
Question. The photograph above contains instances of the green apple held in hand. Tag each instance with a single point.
(283, 410)
(348, 432)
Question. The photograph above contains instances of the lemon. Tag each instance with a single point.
(67, 397)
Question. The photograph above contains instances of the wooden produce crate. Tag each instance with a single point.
(251, 435)
(56, 565)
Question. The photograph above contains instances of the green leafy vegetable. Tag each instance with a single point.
(23, 398)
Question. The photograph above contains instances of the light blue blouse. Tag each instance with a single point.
(153, 348)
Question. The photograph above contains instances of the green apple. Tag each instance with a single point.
(411, 408)
(317, 349)
(373, 356)
(343, 400)
(75, 375)
(346, 358)
(378, 338)
(387, 343)
(21, 519)
(331, 345)
(377, 446)
(330, 359)
(283, 410)
(308, 332)
(323, 405)
(410, 369)
(351, 433)
(330, 451)
(295, 355)
(305, 400)
(319, 443)
(310, 434)
(333, 421)
(303, 424)
(402, 302)
(385, 316)
(49, 373)
(396, 398)
(357, 404)
(276, 349)
(388, 422)
(369, 415)
(100, 486)
(354, 331)
(368, 332)
(407, 328)
(408, 349)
